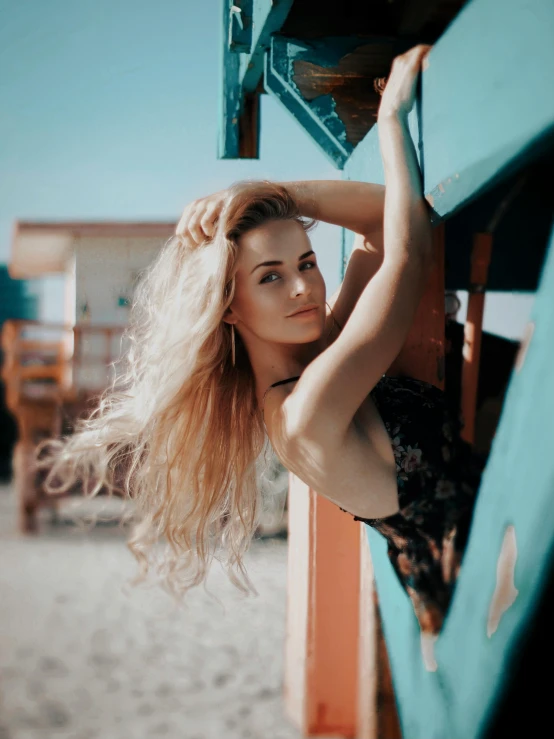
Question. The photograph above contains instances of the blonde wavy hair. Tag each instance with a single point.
(179, 430)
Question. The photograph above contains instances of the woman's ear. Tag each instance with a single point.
(229, 316)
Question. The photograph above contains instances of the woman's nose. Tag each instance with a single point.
(300, 286)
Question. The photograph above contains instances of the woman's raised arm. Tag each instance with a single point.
(335, 383)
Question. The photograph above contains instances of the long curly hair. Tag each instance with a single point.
(179, 430)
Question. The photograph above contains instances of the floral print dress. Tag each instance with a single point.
(438, 476)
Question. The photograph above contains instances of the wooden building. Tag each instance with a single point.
(53, 372)
(482, 126)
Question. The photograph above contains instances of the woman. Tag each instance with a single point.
(231, 340)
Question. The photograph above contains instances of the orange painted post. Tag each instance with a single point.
(321, 658)
(368, 668)
(473, 331)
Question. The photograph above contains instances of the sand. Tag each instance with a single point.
(83, 655)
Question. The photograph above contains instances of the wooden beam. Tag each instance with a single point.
(246, 37)
(473, 331)
(108, 229)
(423, 353)
(240, 26)
(327, 86)
(415, 15)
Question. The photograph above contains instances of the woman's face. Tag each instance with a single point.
(277, 274)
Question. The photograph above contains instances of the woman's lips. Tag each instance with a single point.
(303, 313)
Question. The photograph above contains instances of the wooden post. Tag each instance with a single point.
(368, 670)
(321, 658)
(422, 355)
(473, 331)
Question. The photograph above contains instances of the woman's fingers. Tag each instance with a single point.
(416, 53)
(413, 57)
(399, 92)
(182, 226)
(194, 227)
(189, 224)
(208, 220)
(199, 218)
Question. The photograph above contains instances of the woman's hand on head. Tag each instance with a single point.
(398, 96)
(199, 220)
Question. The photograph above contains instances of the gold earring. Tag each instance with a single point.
(333, 317)
(232, 345)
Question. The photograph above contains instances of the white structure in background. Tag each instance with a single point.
(506, 313)
(96, 265)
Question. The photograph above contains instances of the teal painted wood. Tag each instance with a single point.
(318, 117)
(241, 70)
(485, 102)
(18, 299)
(240, 26)
(459, 699)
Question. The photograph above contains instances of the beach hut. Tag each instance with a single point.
(482, 127)
(53, 372)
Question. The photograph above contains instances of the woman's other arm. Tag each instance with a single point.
(357, 206)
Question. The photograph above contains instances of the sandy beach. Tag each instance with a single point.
(86, 656)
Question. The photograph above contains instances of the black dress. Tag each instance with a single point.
(438, 476)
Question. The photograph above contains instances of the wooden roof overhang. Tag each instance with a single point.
(320, 59)
(45, 247)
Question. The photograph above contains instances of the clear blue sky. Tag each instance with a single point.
(110, 111)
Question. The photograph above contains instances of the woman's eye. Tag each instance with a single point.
(271, 274)
(274, 274)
